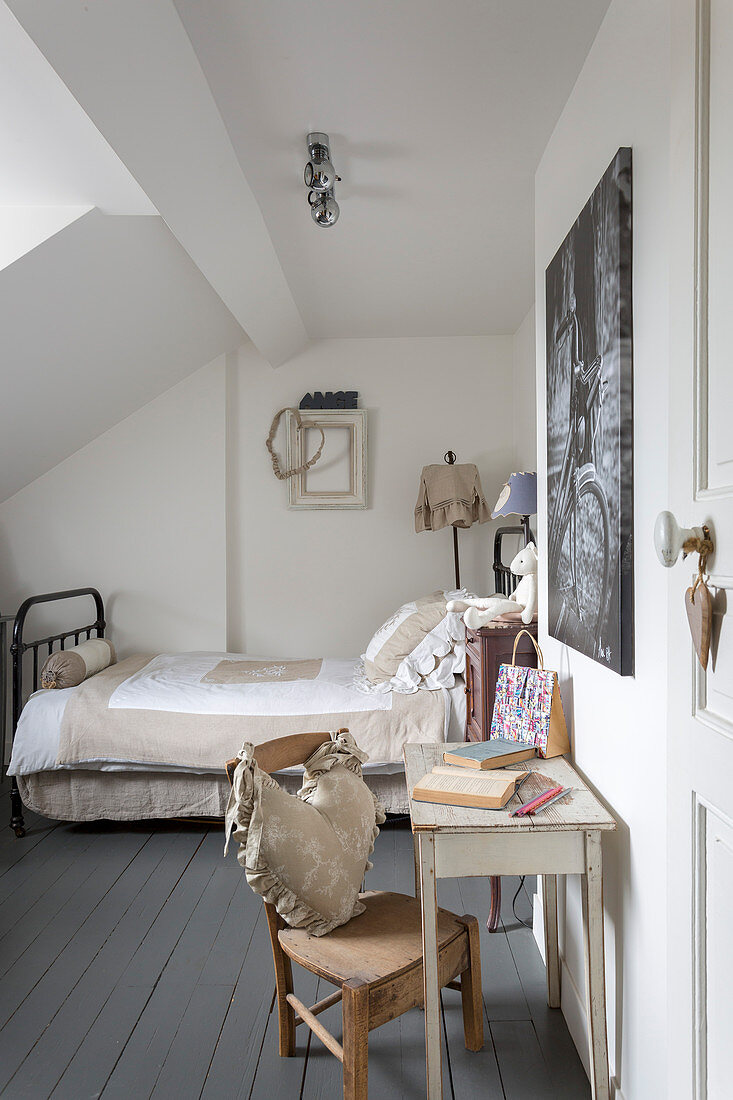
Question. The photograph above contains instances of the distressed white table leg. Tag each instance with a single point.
(595, 981)
(552, 955)
(429, 903)
(416, 856)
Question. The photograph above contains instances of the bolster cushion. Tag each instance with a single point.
(70, 667)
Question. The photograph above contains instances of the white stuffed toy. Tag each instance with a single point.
(523, 599)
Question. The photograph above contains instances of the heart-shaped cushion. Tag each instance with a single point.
(307, 854)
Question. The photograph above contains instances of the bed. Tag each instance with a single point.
(148, 736)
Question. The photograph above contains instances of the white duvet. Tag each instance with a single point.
(173, 682)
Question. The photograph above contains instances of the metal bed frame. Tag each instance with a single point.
(18, 650)
(504, 579)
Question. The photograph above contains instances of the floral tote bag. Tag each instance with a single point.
(528, 707)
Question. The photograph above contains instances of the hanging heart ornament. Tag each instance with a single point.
(699, 606)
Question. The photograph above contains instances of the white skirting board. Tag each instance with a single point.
(572, 1000)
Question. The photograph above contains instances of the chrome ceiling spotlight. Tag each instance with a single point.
(319, 174)
(320, 178)
(324, 208)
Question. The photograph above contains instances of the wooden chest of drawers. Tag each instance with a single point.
(486, 649)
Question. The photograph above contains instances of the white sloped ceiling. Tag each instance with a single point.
(101, 309)
(180, 127)
(96, 322)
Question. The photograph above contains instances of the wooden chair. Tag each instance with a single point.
(375, 960)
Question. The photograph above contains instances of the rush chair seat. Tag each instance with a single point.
(374, 960)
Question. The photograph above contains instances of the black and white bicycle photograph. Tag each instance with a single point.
(590, 426)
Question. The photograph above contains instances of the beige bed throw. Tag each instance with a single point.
(92, 733)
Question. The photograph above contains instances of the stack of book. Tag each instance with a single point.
(495, 753)
(473, 775)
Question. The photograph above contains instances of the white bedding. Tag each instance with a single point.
(177, 687)
(174, 682)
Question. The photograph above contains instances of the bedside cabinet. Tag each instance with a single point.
(486, 649)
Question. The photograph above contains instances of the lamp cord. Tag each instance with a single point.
(514, 900)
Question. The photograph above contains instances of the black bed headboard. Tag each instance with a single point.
(504, 580)
(20, 646)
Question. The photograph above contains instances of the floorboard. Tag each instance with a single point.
(135, 961)
(95, 874)
(284, 1076)
(564, 1068)
(323, 1071)
(81, 929)
(503, 994)
(107, 1035)
(523, 1070)
(30, 879)
(187, 1062)
(37, 829)
(12, 852)
(161, 862)
(232, 1069)
(43, 905)
(146, 1051)
(470, 1071)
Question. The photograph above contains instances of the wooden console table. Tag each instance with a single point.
(565, 839)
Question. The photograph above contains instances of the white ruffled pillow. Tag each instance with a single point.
(421, 646)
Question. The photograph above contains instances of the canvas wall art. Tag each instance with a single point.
(590, 496)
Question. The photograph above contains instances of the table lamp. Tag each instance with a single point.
(450, 495)
(518, 498)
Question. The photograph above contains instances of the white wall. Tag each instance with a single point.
(139, 514)
(323, 581)
(176, 515)
(524, 394)
(622, 98)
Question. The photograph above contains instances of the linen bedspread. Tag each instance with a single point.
(195, 710)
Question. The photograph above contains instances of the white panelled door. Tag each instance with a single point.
(700, 786)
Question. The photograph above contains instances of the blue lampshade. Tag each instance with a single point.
(518, 497)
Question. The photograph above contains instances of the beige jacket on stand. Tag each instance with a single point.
(450, 496)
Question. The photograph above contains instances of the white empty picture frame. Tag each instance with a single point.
(339, 478)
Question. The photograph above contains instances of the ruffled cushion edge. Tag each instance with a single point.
(418, 669)
(440, 596)
(244, 823)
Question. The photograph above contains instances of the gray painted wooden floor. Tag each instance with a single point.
(134, 962)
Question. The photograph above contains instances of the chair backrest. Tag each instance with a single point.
(284, 752)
